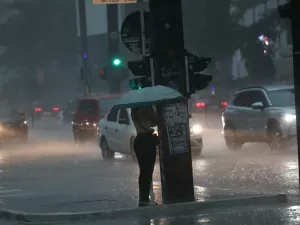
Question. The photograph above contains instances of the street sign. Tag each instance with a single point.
(131, 32)
(114, 1)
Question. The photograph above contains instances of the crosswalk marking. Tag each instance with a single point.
(13, 193)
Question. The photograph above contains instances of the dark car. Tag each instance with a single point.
(89, 111)
(13, 125)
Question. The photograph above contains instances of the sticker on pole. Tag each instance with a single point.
(114, 1)
(131, 32)
(176, 121)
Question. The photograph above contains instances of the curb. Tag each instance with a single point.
(146, 212)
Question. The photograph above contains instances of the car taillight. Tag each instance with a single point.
(224, 104)
(37, 109)
(55, 109)
(200, 105)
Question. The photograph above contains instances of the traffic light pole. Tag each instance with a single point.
(296, 63)
(175, 149)
(84, 47)
(291, 11)
(114, 74)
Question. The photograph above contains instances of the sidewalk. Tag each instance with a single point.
(106, 199)
(275, 215)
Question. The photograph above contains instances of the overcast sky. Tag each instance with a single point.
(96, 18)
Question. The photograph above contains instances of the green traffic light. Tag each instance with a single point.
(117, 62)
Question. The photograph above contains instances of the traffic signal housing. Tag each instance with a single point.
(197, 80)
(142, 69)
(139, 83)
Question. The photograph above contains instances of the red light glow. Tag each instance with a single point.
(38, 110)
(55, 109)
(200, 104)
(224, 104)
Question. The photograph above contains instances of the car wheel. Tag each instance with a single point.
(274, 136)
(232, 141)
(106, 153)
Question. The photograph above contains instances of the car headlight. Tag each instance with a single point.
(94, 125)
(289, 118)
(25, 121)
(196, 129)
(87, 123)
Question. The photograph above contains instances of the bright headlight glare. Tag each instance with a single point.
(25, 122)
(87, 123)
(289, 117)
(196, 129)
(94, 124)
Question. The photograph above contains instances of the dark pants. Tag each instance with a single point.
(145, 150)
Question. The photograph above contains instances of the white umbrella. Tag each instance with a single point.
(148, 96)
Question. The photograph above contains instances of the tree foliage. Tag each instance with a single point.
(213, 28)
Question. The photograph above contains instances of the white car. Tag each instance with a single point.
(116, 133)
(260, 114)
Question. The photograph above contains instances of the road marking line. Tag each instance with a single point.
(9, 191)
(17, 195)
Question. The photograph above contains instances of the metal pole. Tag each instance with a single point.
(187, 75)
(152, 71)
(84, 46)
(143, 36)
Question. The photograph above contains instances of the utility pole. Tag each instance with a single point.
(114, 69)
(291, 11)
(84, 70)
(167, 49)
(169, 64)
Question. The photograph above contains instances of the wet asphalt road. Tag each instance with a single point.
(52, 174)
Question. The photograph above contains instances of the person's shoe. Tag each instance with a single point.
(143, 203)
(146, 203)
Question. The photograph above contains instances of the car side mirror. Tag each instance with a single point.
(123, 121)
(257, 105)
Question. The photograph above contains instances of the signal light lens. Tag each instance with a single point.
(200, 104)
(55, 109)
(117, 62)
(37, 110)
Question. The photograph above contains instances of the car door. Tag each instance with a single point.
(239, 112)
(110, 128)
(257, 118)
(123, 132)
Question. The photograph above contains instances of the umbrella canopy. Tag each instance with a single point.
(148, 96)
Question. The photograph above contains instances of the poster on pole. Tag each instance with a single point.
(177, 121)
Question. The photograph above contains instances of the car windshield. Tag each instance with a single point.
(88, 106)
(282, 97)
(106, 104)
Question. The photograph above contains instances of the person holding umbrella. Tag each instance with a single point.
(144, 147)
